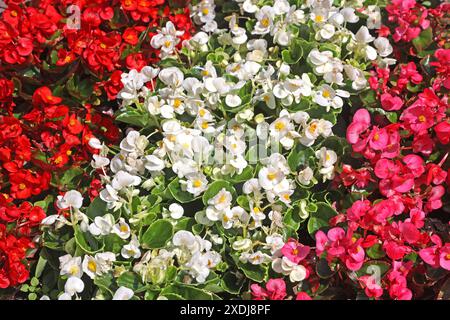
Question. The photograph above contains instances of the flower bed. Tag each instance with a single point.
(264, 150)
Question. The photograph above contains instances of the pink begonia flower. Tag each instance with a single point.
(295, 251)
(390, 102)
(423, 143)
(371, 287)
(378, 138)
(275, 290)
(442, 130)
(302, 296)
(434, 198)
(360, 123)
(416, 216)
(394, 250)
(435, 174)
(418, 117)
(415, 164)
(437, 255)
(385, 168)
(409, 232)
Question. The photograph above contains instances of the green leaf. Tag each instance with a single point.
(256, 273)
(214, 189)
(96, 208)
(69, 176)
(424, 40)
(230, 283)
(181, 196)
(130, 280)
(374, 268)
(86, 242)
(376, 251)
(320, 218)
(133, 117)
(188, 292)
(44, 203)
(157, 234)
(40, 266)
(299, 155)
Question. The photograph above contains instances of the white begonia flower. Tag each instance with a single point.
(264, 23)
(328, 97)
(327, 173)
(242, 244)
(250, 6)
(109, 194)
(154, 164)
(171, 77)
(183, 238)
(222, 200)
(357, 77)
(131, 250)
(70, 266)
(132, 82)
(281, 7)
(196, 183)
(99, 161)
(274, 243)
(98, 265)
(363, 37)
(327, 157)
(349, 15)
(305, 176)
(374, 17)
(383, 46)
(45, 297)
(71, 199)
(227, 219)
(176, 211)
(298, 273)
(122, 229)
(73, 285)
(239, 34)
(258, 257)
(166, 39)
(123, 293)
(134, 142)
(102, 225)
(251, 186)
(95, 143)
(326, 32)
(123, 179)
(65, 296)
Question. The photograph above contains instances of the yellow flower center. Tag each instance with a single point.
(265, 22)
(176, 103)
(69, 152)
(422, 118)
(279, 126)
(376, 136)
(202, 112)
(205, 11)
(102, 45)
(123, 228)
(14, 13)
(167, 44)
(318, 18)
(22, 186)
(197, 183)
(326, 94)
(271, 176)
(205, 125)
(74, 270)
(92, 266)
(313, 128)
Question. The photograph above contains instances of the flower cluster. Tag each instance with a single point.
(56, 58)
(271, 150)
(231, 149)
